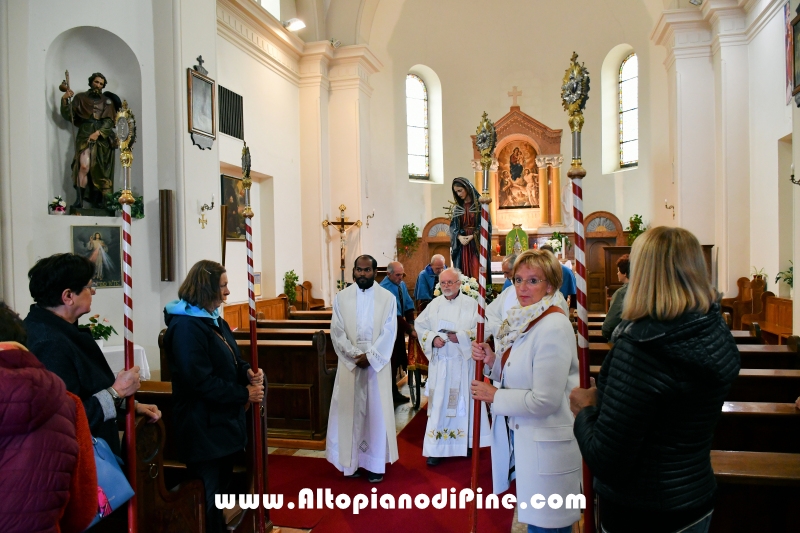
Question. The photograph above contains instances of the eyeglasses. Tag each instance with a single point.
(519, 281)
(448, 283)
(91, 286)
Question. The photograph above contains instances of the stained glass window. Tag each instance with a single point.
(629, 112)
(417, 127)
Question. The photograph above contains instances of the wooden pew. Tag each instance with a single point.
(742, 303)
(752, 355)
(741, 337)
(774, 320)
(305, 301)
(758, 427)
(319, 314)
(756, 385)
(295, 334)
(757, 491)
(300, 387)
(292, 324)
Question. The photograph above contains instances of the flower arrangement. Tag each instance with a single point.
(556, 240)
(100, 330)
(57, 205)
(469, 286)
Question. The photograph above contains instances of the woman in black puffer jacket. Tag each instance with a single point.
(645, 431)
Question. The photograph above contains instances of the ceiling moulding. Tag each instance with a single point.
(259, 34)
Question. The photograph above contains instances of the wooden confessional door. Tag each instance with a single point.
(595, 273)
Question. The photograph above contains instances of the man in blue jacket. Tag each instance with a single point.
(426, 282)
(393, 282)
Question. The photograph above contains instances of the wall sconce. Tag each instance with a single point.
(336, 43)
(203, 208)
(294, 24)
(667, 206)
(370, 216)
(791, 178)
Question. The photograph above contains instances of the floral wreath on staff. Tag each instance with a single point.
(469, 286)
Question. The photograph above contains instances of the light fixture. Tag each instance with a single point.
(294, 24)
(696, 2)
(336, 43)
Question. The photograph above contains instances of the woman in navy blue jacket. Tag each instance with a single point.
(211, 383)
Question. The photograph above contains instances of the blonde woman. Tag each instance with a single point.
(536, 364)
(645, 431)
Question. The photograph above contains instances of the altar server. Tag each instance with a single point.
(446, 329)
(361, 429)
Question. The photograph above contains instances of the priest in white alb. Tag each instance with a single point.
(446, 329)
(361, 429)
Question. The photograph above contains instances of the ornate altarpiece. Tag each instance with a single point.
(525, 178)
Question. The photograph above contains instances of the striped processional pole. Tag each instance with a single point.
(486, 140)
(574, 94)
(126, 132)
(258, 445)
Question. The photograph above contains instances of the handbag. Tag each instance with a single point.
(113, 488)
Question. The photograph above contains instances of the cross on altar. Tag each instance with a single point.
(342, 225)
(513, 94)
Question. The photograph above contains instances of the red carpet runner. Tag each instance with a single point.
(409, 475)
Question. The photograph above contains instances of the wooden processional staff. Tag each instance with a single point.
(574, 93)
(251, 297)
(486, 140)
(126, 133)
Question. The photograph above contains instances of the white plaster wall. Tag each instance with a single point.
(770, 120)
(479, 51)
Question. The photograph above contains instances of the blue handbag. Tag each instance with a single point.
(113, 488)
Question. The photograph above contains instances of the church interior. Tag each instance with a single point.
(358, 122)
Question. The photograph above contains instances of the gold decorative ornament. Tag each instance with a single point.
(574, 94)
(246, 181)
(486, 140)
(125, 128)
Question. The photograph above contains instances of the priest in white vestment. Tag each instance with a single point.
(361, 428)
(446, 329)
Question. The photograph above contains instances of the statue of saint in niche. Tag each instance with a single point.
(92, 112)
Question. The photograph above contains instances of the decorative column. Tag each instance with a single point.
(544, 190)
(554, 171)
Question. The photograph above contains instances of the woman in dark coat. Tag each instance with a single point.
(62, 287)
(465, 228)
(645, 431)
(211, 383)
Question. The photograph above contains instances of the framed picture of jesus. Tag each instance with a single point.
(102, 245)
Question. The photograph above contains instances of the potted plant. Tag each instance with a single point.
(99, 330)
(290, 286)
(408, 238)
(760, 274)
(113, 205)
(57, 206)
(787, 276)
(636, 228)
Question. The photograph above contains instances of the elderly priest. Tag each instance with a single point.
(361, 430)
(446, 329)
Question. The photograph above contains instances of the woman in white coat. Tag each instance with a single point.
(536, 364)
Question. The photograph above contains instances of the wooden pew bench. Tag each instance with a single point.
(757, 491)
(292, 324)
(292, 334)
(774, 320)
(319, 314)
(741, 337)
(758, 427)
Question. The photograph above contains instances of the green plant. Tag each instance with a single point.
(113, 205)
(560, 237)
(636, 228)
(787, 276)
(290, 286)
(409, 238)
(98, 329)
(759, 272)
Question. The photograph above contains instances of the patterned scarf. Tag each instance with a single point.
(518, 318)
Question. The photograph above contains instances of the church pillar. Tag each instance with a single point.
(314, 166)
(349, 145)
(555, 189)
(544, 191)
(691, 86)
(733, 193)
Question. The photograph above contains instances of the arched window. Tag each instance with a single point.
(629, 112)
(417, 128)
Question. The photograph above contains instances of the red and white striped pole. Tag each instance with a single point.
(574, 93)
(258, 445)
(126, 132)
(486, 140)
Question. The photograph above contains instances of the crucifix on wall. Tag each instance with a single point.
(342, 225)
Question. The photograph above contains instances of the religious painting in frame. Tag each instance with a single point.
(517, 181)
(102, 245)
(233, 199)
(202, 101)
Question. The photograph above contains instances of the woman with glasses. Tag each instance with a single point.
(211, 383)
(535, 362)
(645, 431)
(62, 287)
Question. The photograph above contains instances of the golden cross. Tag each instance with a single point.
(342, 225)
(513, 94)
(203, 220)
